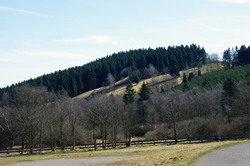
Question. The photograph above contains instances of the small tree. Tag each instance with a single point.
(206, 84)
(227, 58)
(229, 93)
(128, 114)
(199, 73)
(145, 92)
(184, 78)
(129, 95)
(137, 79)
(185, 87)
(111, 80)
(174, 68)
(190, 76)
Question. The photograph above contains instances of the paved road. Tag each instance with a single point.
(237, 155)
(74, 161)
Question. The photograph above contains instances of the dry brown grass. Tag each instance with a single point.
(156, 82)
(181, 154)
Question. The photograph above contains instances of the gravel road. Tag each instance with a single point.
(74, 161)
(237, 155)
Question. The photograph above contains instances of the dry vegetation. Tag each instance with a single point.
(157, 82)
(181, 154)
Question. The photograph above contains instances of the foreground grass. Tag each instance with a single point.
(181, 154)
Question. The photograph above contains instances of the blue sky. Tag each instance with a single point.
(40, 37)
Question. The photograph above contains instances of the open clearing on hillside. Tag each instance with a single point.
(155, 82)
(180, 154)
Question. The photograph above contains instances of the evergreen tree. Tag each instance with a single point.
(137, 79)
(199, 73)
(185, 87)
(145, 92)
(174, 68)
(229, 93)
(206, 84)
(248, 76)
(230, 88)
(184, 78)
(162, 89)
(227, 58)
(190, 76)
(129, 95)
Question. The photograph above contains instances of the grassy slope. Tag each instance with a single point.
(181, 154)
(155, 82)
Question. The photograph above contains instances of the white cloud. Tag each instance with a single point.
(233, 1)
(212, 28)
(7, 60)
(112, 40)
(53, 54)
(136, 43)
(23, 11)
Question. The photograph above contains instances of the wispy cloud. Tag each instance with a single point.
(53, 54)
(233, 1)
(112, 40)
(18, 11)
(212, 28)
(9, 60)
(136, 43)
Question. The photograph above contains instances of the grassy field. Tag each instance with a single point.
(181, 154)
(156, 82)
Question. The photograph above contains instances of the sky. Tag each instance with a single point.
(40, 37)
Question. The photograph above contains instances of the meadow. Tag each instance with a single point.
(180, 154)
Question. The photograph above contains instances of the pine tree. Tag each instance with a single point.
(137, 79)
(190, 76)
(230, 88)
(248, 76)
(227, 58)
(185, 87)
(206, 84)
(129, 95)
(229, 93)
(184, 78)
(145, 92)
(174, 68)
(199, 73)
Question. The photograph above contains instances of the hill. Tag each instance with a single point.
(77, 80)
(156, 82)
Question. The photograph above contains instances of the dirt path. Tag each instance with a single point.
(74, 161)
(238, 155)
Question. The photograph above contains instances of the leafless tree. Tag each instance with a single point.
(128, 120)
(111, 81)
(99, 115)
(115, 104)
(173, 107)
(24, 107)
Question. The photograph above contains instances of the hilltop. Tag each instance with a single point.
(135, 63)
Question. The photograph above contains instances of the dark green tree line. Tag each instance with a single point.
(77, 80)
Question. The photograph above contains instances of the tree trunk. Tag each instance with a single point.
(40, 140)
(22, 146)
(61, 140)
(175, 134)
(94, 139)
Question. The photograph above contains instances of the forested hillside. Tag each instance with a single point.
(77, 80)
(235, 63)
(211, 80)
(35, 117)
